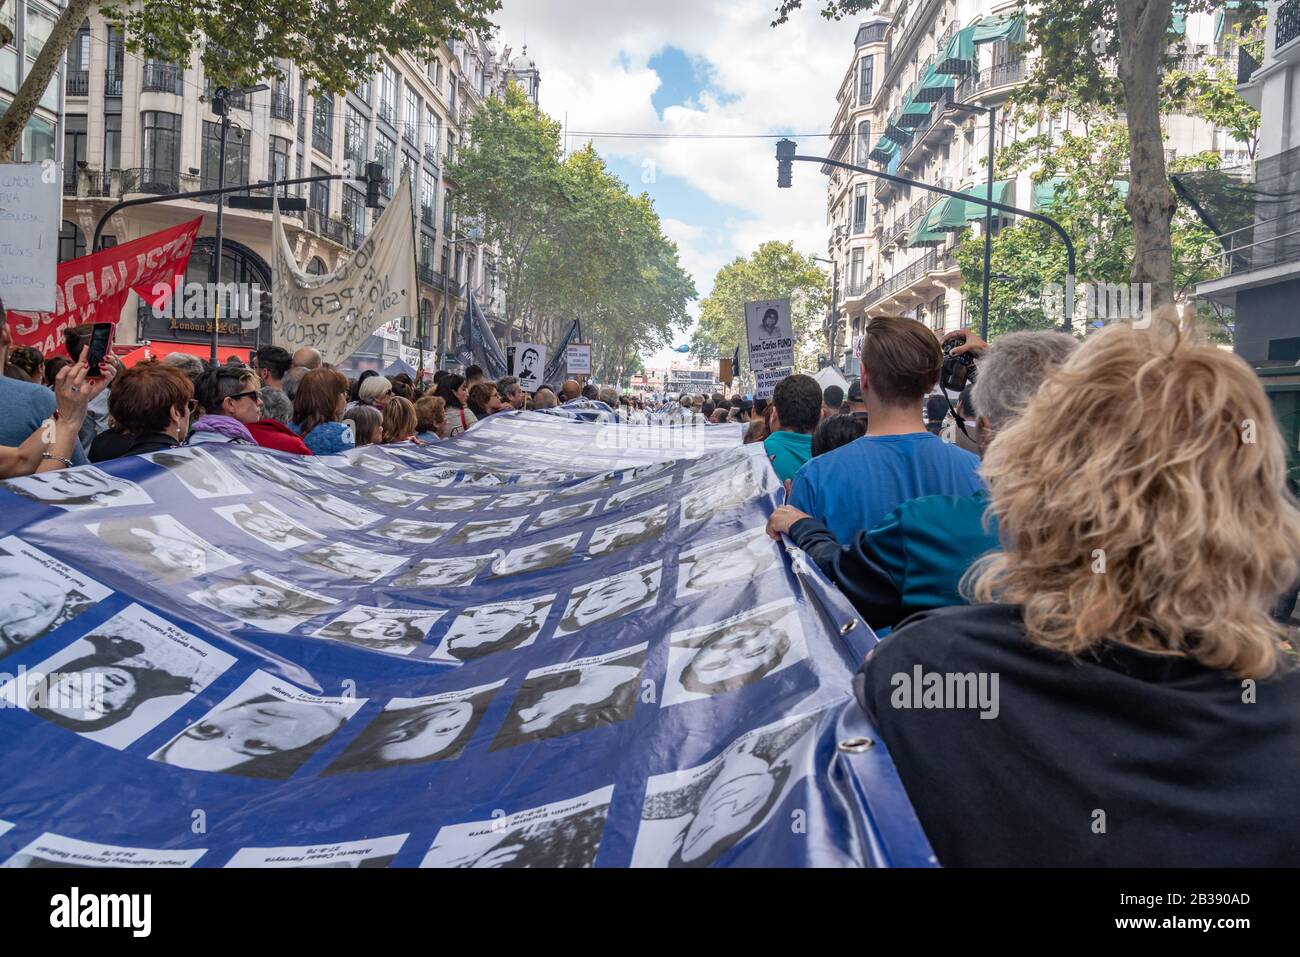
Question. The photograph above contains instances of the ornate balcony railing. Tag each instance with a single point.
(113, 83)
(282, 107)
(77, 83)
(155, 181)
(163, 78)
(933, 261)
(1287, 26)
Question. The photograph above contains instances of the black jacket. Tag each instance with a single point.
(1116, 759)
(114, 445)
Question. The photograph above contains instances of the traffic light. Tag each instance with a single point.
(785, 150)
(374, 183)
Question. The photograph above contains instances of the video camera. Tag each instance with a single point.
(958, 371)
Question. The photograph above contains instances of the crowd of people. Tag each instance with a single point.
(1106, 527)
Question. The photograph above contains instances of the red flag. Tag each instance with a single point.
(94, 288)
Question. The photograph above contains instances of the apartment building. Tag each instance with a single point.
(28, 24)
(133, 127)
(915, 66)
(1254, 207)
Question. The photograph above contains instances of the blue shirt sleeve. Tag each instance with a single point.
(801, 493)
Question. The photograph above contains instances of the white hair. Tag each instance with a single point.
(1009, 375)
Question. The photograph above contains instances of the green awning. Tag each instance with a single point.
(1221, 19)
(954, 214)
(1178, 24)
(915, 113)
(959, 57)
(1010, 28)
(884, 151)
(1044, 195)
(934, 86)
(896, 131)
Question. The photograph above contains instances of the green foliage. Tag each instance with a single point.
(774, 271)
(331, 42)
(573, 241)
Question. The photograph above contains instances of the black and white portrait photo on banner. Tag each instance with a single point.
(259, 599)
(79, 488)
(372, 852)
(487, 629)
(342, 513)
(691, 818)
(532, 558)
(405, 530)
(471, 533)
(729, 489)
(728, 562)
(376, 463)
(642, 472)
(398, 631)
(269, 467)
(529, 364)
(121, 680)
(38, 593)
(485, 478)
(315, 469)
(633, 492)
(596, 483)
(442, 572)
(265, 728)
(340, 558)
(562, 834)
(525, 499)
(268, 525)
(432, 478)
(574, 696)
(161, 546)
(202, 474)
(733, 653)
(55, 850)
(633, 530)
(396, 497)
(611, 598)
(417, 731)
(565, 513)
(452, 503)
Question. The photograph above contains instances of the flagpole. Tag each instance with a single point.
(415, 257)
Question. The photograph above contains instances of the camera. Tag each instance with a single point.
(958, 371)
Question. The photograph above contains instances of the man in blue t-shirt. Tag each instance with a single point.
(852, 488)
(25, 405)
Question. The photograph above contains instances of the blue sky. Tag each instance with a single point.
(686, 67)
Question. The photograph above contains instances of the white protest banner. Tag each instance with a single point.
(527, 360)
(771, 339)
(335, 313)
(766, 381)
(577, 358)
(30, 219)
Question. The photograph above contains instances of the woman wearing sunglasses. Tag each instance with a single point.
(150, 407)
(230, 401)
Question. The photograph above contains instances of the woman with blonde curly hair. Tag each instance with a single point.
(1117, 694)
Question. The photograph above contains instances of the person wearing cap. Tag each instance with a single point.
(857, 404)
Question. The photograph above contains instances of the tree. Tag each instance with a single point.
(775, 271)
(508, 179)
(1077, 42)
(241, 40)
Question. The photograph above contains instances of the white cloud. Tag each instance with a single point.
(594, 57)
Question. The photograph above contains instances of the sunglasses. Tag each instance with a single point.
(254, 394)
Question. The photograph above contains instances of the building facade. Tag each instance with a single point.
(901, 109)
(1255, 207)
(28, 23)
(133, 127)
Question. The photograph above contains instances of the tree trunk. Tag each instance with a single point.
(29, 95)
(1151, 203)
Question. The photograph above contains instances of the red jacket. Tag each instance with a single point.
(271, 434)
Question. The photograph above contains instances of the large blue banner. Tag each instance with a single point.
(544, 643)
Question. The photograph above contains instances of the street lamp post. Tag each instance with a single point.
(221, 108)
(992, 113)
(834, 329)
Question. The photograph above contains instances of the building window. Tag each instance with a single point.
(237, 152)
(279, 158)
(433, 134)
(385, 152)
(112, 141)
(75, 144)
(316, 267)
(939, 312)
(322, 124)
(446, 213)
(354, 211)
(72, 242)
(320, 192)
(856, 264)
(860, 208)
(866, 70)
(426, 251)
(161, 141)
(428, 198)
(387, 92)
(356, 130)
(116, 62)
(864, 143)
(411, 117)
(40, 22)
(302, 108)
